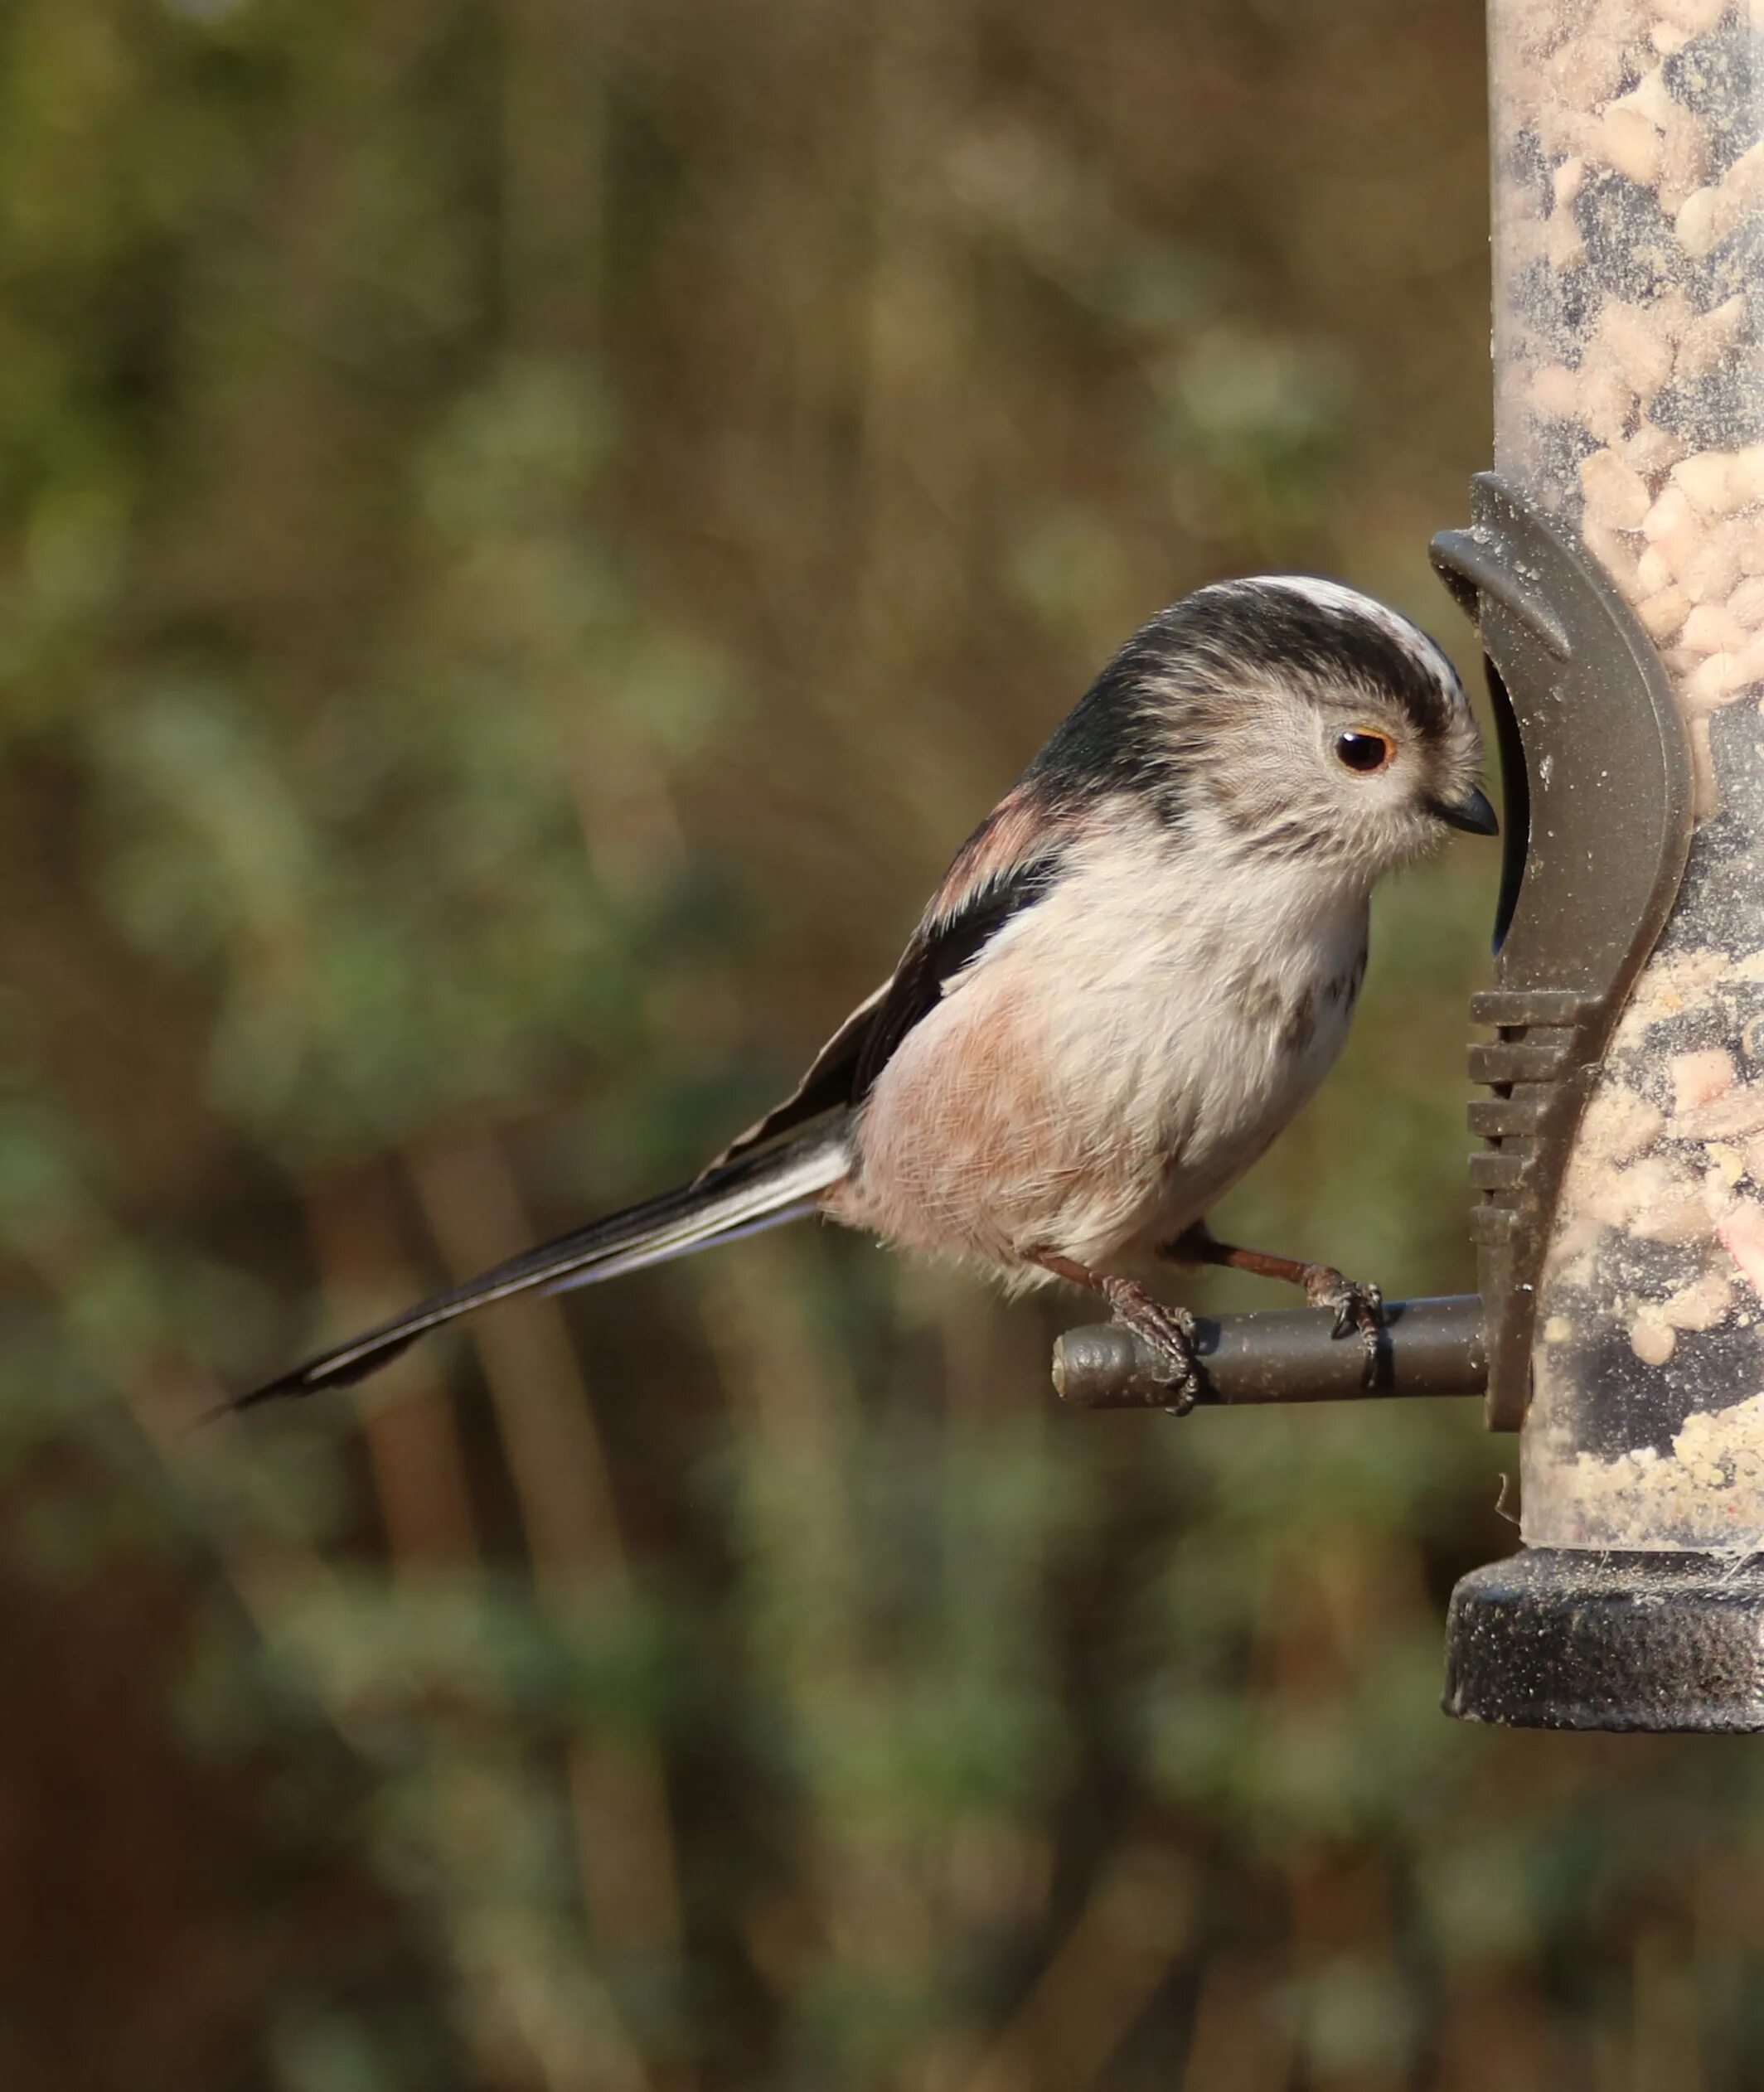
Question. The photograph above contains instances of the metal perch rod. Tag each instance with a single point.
(1425, 1347)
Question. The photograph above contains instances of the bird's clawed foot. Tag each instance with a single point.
(1170, 1331)
(1356, 1307)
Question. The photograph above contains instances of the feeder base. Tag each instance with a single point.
(1559, 1637)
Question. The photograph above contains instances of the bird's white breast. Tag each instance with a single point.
(1115, 1059)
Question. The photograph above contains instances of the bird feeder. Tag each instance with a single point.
(1621, 1231)
(1614, 566)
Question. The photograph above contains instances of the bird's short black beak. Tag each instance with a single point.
(1472, 813)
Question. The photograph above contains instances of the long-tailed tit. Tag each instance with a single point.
(1139, 966)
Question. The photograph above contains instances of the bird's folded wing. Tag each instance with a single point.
(1013, 859)
(828, 1086)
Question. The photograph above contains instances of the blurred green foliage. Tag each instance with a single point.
(527, 532)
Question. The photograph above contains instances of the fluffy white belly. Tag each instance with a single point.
(1116, 1060)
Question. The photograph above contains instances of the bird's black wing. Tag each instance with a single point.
(941, 947)
(1009, 863)
(828, 1085)
(1012, 860)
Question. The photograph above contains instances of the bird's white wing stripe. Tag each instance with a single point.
(782, 1195)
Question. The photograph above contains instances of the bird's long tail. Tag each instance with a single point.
(758, 1192)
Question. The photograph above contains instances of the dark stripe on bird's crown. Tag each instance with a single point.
(1278, 629)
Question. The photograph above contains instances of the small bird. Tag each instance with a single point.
(1138, 967)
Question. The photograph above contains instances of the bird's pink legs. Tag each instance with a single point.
(1356, 1307)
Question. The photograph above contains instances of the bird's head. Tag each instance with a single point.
(1305, 722)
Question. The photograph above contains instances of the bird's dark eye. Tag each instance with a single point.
(1365, 751)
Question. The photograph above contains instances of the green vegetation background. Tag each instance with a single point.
(527, 532)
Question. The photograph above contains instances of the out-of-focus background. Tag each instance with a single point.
(527, 533)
